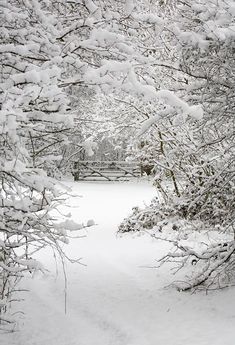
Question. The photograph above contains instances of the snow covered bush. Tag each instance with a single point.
(142, 219)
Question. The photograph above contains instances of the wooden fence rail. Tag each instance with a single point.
(106, 170)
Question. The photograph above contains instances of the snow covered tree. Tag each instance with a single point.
(206, 155)
(33, 125)
(207, 61)
(195, 147)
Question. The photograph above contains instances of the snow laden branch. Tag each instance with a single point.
(28, 225)
(213, 267)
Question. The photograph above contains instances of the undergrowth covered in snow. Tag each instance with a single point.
(201, 248)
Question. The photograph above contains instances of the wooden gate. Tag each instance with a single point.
(105, 170)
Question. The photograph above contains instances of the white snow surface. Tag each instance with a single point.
(115, 299)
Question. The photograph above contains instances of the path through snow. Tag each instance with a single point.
(114, 300)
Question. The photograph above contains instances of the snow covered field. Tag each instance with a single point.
(115, 299)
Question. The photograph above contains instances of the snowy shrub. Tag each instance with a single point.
(158, 217)
(140, 220)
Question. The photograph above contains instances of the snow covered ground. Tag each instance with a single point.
(115, 299)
